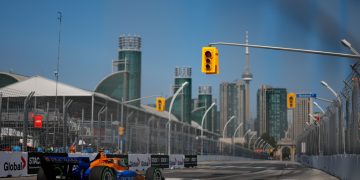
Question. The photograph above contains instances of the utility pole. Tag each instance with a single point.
(56, 73)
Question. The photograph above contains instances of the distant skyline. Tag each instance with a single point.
(173, 33)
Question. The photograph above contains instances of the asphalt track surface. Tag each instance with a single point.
(247, 170)
(239, 170)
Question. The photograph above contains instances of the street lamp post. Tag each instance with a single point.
(323, 111)
(340, 135)
(262, 144)
(319, 126)
(318, 106)
(233, 137)
(265, 146)
(202, 128)
(170, 108)
(256, 142)
(259, 143)
(347, 44)
(247, 132)
(251, 139)
(232, 117)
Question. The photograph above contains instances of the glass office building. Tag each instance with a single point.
(276, 112)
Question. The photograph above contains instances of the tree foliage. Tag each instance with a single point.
(270, 140)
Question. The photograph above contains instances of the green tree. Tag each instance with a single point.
(269, 139)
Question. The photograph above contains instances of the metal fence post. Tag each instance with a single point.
(80, 129)
(47, 124)
(65, 130)
(1, 125)
(26, 121)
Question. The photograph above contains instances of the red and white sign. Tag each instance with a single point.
(13, 164)
(38, 119)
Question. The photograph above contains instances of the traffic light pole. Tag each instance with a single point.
(289, 49)
(353, 56)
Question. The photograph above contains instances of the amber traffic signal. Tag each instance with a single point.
(291, 100)
(210, 60)
(121, 131)
(160, 103)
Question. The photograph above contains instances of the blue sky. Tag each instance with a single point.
(173, 33)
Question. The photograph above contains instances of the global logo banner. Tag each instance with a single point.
(13, 164)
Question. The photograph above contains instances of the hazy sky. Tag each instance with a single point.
(173, 33)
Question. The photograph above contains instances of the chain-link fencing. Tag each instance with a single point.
(338, 130)
(56, 124)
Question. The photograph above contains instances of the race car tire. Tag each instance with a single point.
(102, 173)
(153, 174)
(42, 176)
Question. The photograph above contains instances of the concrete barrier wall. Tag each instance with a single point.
(202, 158)
(343, 166)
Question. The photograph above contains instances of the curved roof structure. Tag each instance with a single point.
(112, 85)
(42, 87)
(7, 78)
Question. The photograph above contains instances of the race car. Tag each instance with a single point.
(101, 168)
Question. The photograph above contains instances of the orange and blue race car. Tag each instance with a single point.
(101, 168)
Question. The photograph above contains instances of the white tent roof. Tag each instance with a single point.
(164, 114)
(42, 87)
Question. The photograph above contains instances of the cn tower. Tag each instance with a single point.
(247, 76)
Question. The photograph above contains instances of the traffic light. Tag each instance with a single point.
(121, 131)
(291, 101)
(160, 103)
(210, 60)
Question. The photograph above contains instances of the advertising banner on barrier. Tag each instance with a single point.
(34, 160)
(139, 162)
(160, 161)
(91, 156)
(13, 164)
(176, 161)
(190, 161)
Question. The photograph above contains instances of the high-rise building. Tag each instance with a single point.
(125, 82)
(130, 55)
(272, 111)
(301, 115)
(261, 124)
(232, 104)
(182, 104)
